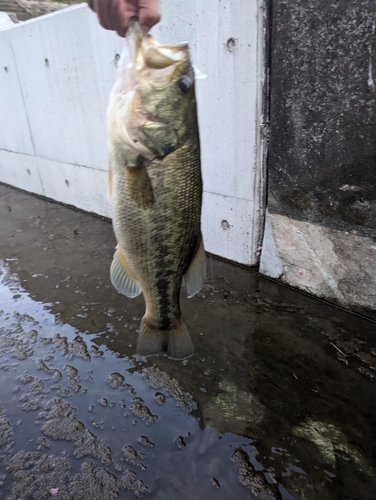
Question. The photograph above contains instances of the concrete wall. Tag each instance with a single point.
(55, 76)
(320, 234)
(56, 73)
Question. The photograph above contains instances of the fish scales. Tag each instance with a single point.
(156, 188)
(150, 238)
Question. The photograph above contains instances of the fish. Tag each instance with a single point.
(155, 187)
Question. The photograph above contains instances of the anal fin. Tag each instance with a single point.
(194, 278)
(121, 279)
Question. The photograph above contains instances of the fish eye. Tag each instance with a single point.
(185, 84)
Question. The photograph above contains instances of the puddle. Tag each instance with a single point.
(277, 402)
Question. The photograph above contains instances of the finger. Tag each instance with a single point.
(120, 13)
(118, 16)
(102, 8)
(149, 14)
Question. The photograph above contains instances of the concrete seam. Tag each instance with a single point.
(23, 99)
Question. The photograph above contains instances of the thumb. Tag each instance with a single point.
(149, 14)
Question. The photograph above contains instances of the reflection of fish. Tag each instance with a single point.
(156, 188)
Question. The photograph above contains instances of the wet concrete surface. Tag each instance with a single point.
(278, 401)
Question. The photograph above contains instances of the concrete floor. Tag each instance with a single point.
(277, 402)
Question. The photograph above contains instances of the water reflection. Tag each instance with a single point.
(63, 398)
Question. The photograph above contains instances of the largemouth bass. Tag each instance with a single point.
(156, 188)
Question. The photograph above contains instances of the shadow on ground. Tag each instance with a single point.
(277, 402)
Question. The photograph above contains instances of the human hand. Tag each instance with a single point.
(115, 14)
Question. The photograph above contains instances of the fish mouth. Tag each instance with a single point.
(158, 56)
(143, 54)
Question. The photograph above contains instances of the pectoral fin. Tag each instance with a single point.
(194, 278)
(121, 278)
(140, 186)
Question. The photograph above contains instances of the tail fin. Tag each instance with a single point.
(179, 342)
(176, 342)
